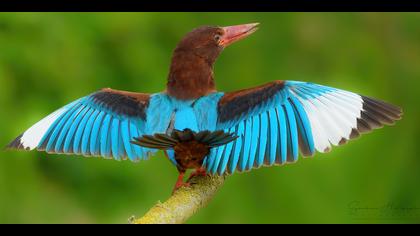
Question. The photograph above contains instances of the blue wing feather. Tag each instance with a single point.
(115, 126)
(105, 144)
(95, 147)
(46, 137)
(122, 153)
(136, 148)
(292, 138)
(57, 128)
(243, 161)
(64, 130)
(304, 126)
(233, 162)
(171, 155)
(211, 159)
(273, 130)
(226, 154)
(219, 154)
(282, 152)
(126, 136)
(263, 139)
(254, 141)
(70, 137)
(87, 122)
(75, 133)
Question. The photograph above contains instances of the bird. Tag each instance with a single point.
(206, 130)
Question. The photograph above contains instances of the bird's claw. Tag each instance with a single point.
(179, 185)
(197, 172)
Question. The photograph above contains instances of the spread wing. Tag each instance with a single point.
(277, 120)
(100, 124)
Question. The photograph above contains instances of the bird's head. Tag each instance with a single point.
(191, 70)
(209, 41)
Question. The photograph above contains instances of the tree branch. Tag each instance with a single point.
(184, 203)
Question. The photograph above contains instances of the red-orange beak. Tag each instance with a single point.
(236, 33)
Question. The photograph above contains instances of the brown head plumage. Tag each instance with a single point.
(191, 71)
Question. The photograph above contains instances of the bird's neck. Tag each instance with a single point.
(190, 76)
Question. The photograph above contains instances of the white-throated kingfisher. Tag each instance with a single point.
(201, 128)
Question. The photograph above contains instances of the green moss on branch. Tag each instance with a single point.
(184, 203)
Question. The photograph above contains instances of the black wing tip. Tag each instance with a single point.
(382, 111)
(16, 144)
(375, 114)
(383, 106)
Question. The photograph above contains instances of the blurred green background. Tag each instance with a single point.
(50, 59)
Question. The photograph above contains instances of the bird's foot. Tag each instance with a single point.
(180, 182)
(198, 172)
(179, 185)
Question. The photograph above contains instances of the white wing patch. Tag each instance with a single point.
(31, 137)
(333, 116)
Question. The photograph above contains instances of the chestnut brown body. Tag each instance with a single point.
(190, 155)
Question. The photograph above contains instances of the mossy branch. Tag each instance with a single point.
(184, 203)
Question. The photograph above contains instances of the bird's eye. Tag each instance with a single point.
(217, 37)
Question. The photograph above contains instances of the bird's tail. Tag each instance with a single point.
(165, 141)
